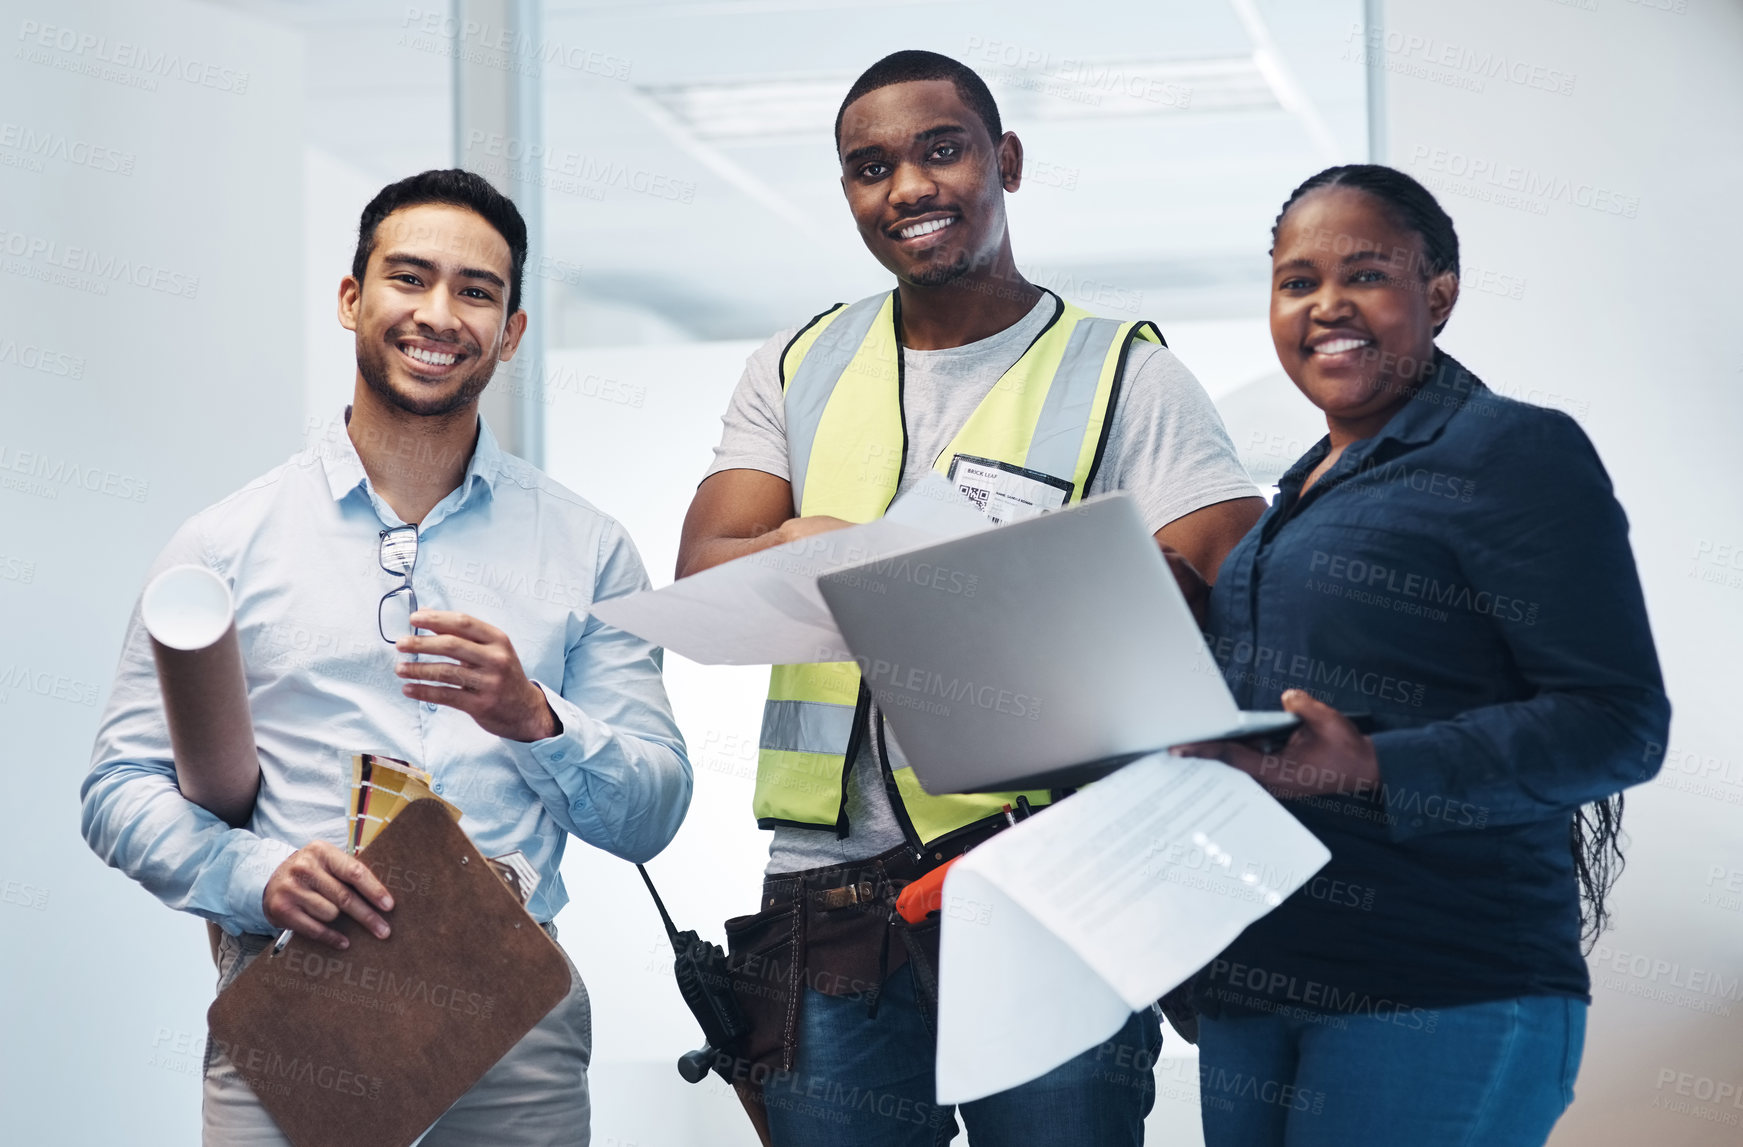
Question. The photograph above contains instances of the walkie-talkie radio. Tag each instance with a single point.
(706, 985)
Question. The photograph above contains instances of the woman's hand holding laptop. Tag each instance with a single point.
(1326, 755)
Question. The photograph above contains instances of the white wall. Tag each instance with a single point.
(631, 429)
(153, 141)
(334, 195)
(1621, 239)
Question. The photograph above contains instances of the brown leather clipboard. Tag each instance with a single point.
(370, 1045)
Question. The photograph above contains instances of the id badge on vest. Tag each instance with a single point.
(1007, 493)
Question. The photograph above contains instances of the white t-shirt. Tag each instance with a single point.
(1167, 448)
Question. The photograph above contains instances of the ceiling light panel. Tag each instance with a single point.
(1062, 88)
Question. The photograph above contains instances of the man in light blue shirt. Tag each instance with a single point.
(533, 718)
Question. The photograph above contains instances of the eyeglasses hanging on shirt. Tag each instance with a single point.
(398, 555)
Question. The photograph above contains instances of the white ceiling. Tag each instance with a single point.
(1136, 204)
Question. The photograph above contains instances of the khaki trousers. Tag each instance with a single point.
(535, 1096)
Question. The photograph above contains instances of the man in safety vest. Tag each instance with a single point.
(1021, 399)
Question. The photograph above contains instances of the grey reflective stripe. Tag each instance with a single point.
(898, 759)
(807, 727)
(1064, 418)
(809, 390)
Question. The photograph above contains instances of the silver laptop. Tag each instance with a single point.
(1042, 654)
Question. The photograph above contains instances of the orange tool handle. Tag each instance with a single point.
(924, 896)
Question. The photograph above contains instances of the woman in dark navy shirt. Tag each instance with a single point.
(1454, 564)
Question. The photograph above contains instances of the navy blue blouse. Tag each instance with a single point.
(1464, 577)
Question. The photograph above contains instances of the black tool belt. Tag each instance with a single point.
(834, 930)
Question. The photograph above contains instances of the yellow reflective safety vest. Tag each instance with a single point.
(841, 376)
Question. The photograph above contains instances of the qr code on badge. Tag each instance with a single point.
(977, 496)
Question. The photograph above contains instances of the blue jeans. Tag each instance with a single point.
(868, 1082)
(1484, 1075)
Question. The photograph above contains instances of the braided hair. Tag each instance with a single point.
(1595, 831)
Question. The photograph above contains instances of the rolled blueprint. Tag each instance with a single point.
(188, 612)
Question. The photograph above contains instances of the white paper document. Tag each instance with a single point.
(765, 608)
(1056, 930)
(1007, 493)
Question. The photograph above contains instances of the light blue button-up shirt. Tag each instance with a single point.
(298, 548)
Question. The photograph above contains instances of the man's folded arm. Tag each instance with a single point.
(136, 819)
(734, 513)
(616, 774)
